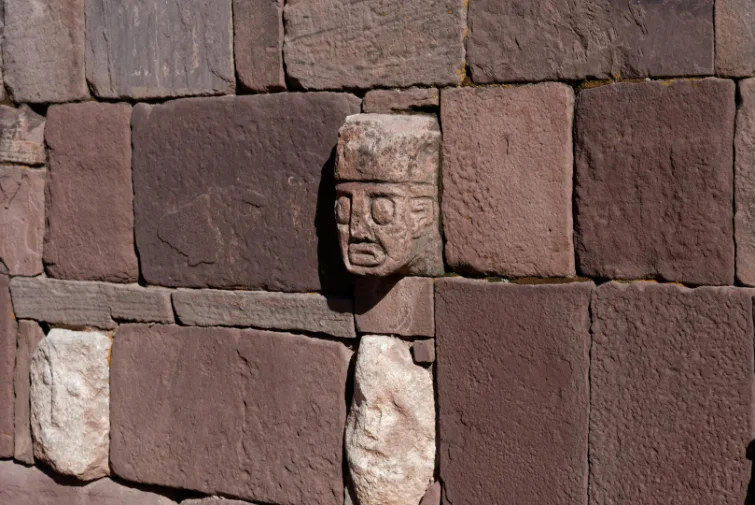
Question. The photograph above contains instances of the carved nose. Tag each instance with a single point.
(360, 228)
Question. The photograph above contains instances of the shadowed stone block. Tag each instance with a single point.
(399, 100)
(423, 352)
(29, 336)
(654, 184)
(744, 218)
(567, 40)
(336, 44)
(213, 501)
(735, 38)
(145, 49)
(245, 413)
(22, 219)
(513, 397)
(507, 180)
(22, 136)
(263, 218)
(395, 305)
(671, 389)
(258, 44)
(7, 359)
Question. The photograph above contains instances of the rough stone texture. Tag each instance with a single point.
(512, 377)
(22, 136)
(568, 40)
(744, 217)
(29, 336)
(90, 223)
(7, 359)
(213, 501)
(20, 485)
(261, 219)
(507, 180)
(398, 100)
(395, 305)
(671, 380)
(258, 44)
(654, 181)
(70, 403)
(432, 495)
(334, 44)
(146, 49)
(735, 38)
(95, 304)
(275, 311)
(390, 432)
(43, 50)
(22, 219)
(276, 401)
(423, 352)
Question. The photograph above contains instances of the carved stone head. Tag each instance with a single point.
(387, 194)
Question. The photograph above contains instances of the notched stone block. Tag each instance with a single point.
(29, 336)
(22, 219)
(395, 305)
(400, 100)
(22, 136)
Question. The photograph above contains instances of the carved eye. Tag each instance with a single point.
(343, 210)
(382, 210)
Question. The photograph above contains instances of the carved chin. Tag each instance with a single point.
(366, 254)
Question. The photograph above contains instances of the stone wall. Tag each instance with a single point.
(176, 321)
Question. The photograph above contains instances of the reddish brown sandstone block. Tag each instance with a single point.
(654, 182)
(395, 306)
(246, 413)
(258, 44)
(90, 234)
(671, 382)
(22, 136)
(22, 219)
(399, 100)
(29, 336)
(507, 180)
(7, 360)
(744, 217)
(735, 38)
(512, 377)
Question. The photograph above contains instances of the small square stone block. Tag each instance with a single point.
(423, 352)
(744, 217)
(395, 305)
(22, 219)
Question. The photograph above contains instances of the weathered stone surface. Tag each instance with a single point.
(22, 219)
(96, 304)
(258, 309)
(566, 40)
(390, 432)
(671, 388)
(70, 398)
(744, 217)
(22, 136)
(29, 336)
(735, 38)
(258, 44)
(20, 485)
(335, 44)
(654, 184)
(213, 501)
(90, 220)
(261, 219)
(395, 305)
(432, 495)
(276, 401)
(7, 359)
(398, 100)
(43, 50)
(512, 371)
(507, 180)
(145, 49)
(423, 352)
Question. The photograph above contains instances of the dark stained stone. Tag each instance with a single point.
(654, 181)
(744, 184)
(90, 219)
(244, 413)
(22, 136)
(258, 44)
(567, 39)
(512, 378)
(29, 335)
(735, 38)
(239, 191)
(671, 390)
(7, 359)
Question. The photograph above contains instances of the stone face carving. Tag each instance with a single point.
(387, 195)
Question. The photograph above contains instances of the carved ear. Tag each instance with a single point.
(420, 214)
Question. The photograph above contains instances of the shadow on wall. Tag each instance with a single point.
(750, 496)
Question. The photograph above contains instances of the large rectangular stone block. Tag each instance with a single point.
(244, 193)
(671, 382)
(145, 49)
(571, 40)
(512, 376)
(29, 336)
(7, 360)
(735, 38)
(258, 44)
(245, 413)
(654, 181)
(22, 219)
(744, 184)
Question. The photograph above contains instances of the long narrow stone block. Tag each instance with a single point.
(274, 311)
(96, 304)
(29, 336)
(22, 136)
(22, 219)
(744, 216)
(735, 38)
(258, 44)
(400, 100)
(8, 330)
(395, 306)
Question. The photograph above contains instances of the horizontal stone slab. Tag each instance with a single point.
(259, 309)
(399, 100)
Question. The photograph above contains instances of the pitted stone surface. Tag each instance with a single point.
(671, 388)
(43, 50)
(7, 359)
(744, 217)
(96, 304)
(276, 400)
(29, 336)
(735, 38)
(20, 485)
(22, 136)
(90, 232)
(400, 100)
(395, 305)
(70, 403)
(261, 219)
(278, 311)
(567, 40)
(654, 184)
(146, 49)
(336, 44)
(390, 432)
(507, 180)
(22, 219)
(513, 397)
(258, 44)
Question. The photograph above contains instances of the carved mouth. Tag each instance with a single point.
(366, 254)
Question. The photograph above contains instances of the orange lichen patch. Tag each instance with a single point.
(594, 84)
